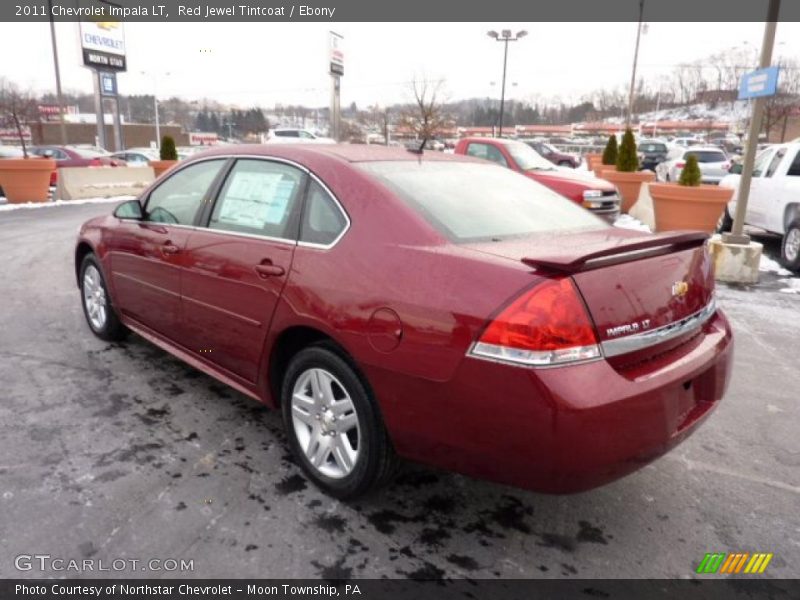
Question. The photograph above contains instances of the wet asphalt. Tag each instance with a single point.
(119, 451)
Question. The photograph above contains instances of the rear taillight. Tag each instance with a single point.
(680, 165)
(54, 178)
(95, 162)
(548, 325)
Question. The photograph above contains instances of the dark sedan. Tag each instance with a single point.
(651, 154)
(427, 306)
(555, 156)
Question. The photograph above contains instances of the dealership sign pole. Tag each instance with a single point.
(336, 69)
(103, 49)
(758, 85)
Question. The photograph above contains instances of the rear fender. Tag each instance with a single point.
(790, 213)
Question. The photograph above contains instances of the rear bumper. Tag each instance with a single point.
(558, 430)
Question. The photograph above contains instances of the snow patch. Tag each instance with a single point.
(769, 265)
(792, 286)
(30, 205)
(628, 222)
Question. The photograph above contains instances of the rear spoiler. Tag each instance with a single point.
(624, 250)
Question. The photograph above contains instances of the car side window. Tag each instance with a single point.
(776, 160)
(323, 221)
(794, 168)
(260, 198)
(287, 134)
(177, 199)
(762, 160)
(305, 135)
(487, 152)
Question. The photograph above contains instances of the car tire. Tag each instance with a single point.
(96, 302)
(333, 424)
(725, 222)
(790, 246)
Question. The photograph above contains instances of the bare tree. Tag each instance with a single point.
(18, 109)
(786, 101)
(426, 117)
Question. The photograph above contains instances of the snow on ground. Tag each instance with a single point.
(770, 265)
(730, 112)
(628, 222)
(5, 206)
(792, 286)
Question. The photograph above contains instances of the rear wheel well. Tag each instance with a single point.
(790, 213)
(290, 342)
(80, 252)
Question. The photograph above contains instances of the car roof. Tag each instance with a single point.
(351, 153)
(704, 149)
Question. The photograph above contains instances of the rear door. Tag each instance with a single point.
(237, 264)
(146, 256)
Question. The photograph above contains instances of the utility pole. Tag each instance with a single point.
(60, 97)
(633, 71)
(736, 235)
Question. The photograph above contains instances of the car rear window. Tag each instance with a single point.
(469, 201)
(87, 153)
(652, 148)
(706, 156)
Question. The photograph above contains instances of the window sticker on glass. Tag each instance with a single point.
(256, 199)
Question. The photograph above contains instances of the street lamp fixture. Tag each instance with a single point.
(155, 103)
(505, 36)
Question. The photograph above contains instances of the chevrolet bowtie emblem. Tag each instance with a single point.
(679, 288)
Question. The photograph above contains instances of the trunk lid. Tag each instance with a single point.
(631, 282)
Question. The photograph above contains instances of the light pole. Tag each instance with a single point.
(505, 36)
(633, 70)
(155, 104)
(58, 74)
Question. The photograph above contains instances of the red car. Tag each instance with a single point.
(75, 156)
(426, 306)
(597, 195)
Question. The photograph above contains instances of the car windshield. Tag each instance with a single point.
(467, 201)
(649, 147)
(706, 156)
(527, 158)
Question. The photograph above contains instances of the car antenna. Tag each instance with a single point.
(421, 147)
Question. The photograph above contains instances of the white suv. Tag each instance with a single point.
(289, 135)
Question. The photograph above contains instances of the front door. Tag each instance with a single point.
(146, 256)
(237, 266)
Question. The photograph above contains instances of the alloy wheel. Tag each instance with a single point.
(791, 247)
(325, 423)
(94, 298)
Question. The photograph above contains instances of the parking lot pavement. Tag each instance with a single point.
(120, 451)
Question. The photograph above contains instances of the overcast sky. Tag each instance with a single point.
(265, 63)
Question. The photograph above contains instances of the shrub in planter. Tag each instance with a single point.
(25, 179)
(626, 177)
(609, 158)
(168, 154)
(688, 204)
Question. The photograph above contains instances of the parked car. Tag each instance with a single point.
(428, 306)
(685, 142)
(713, 163)
(136, 157)
(774, 200)
(74, 156)
(289, 135)
(651, 154)
(597, 195)
(562, 159)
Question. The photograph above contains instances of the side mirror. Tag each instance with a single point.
(736, 169)
(129, 210)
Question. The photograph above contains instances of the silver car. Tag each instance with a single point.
(713, 163)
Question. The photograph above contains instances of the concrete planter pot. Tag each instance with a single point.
(688, 207)
(26, 179)
(593, 159)
(628, 184)
(162, 166)
(598, 170)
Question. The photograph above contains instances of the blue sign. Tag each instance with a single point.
(108, 84)
(759, 83)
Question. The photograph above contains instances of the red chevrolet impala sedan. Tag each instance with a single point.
(431, 307)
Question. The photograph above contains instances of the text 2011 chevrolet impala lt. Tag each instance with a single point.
(433, 307)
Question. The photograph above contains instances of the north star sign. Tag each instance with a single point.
(103, 44)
